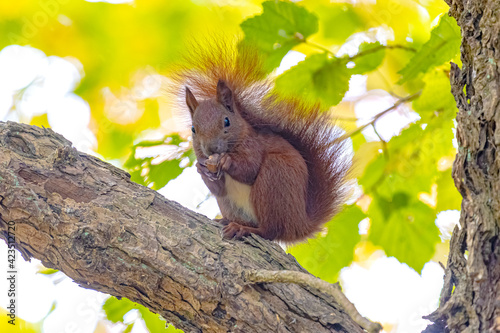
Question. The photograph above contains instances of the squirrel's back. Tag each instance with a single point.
(305, 126)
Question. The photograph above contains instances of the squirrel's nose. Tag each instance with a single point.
(216, 147)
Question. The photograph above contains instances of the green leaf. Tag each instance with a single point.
(413, 157)
(298, 79)
(370, 56)
(357, 141)
(448, 196)
(341, 15)
(162, 173)
(129, 328)
(326, 256)
(436, 94)
(154, 322)
(400, 223)
(404, 229)
(364, 155)
(331, 82)
(374, 173)
(443, 45)
(328, 77)
(280, 27)
(147, 171)
(116, 308)
(47, 271)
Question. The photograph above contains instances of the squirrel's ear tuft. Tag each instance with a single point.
(225, 95)
(191, 101)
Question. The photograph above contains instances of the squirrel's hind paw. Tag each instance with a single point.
(235, 231)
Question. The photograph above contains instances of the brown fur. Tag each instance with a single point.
(281, 172)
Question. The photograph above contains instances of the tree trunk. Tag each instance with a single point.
(470, 299)
(86, 218)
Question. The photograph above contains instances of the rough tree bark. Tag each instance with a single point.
(470, 299)
(86, 218)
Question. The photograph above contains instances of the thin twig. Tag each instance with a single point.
(362, 53)
(319, 47)
(381, 47)
(209, 195)
(308, 280)
(379, 115)
(384, 143)
(402, 47)
(347, 118)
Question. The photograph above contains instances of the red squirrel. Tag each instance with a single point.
(274, 164)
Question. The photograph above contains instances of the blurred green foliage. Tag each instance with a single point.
(146, 172)
(116, 309)
(280, 27)
(403, 47)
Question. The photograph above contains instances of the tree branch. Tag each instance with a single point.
(308, 280)
(87, 219)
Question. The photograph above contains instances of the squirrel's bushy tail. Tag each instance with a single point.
(314, 134)
(306, 126)
(239, 65)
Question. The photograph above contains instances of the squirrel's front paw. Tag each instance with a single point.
(235, 231)
(225, 162)
(202, 169)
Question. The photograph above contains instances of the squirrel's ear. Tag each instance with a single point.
(191, 101)
(225, 95)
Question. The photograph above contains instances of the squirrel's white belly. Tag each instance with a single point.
(239, 195)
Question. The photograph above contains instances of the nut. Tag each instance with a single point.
(212, 163)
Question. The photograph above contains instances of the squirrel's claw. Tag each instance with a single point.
(234, 231)
(204, 171)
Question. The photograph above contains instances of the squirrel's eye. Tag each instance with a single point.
(192, 129)
(226, 122)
